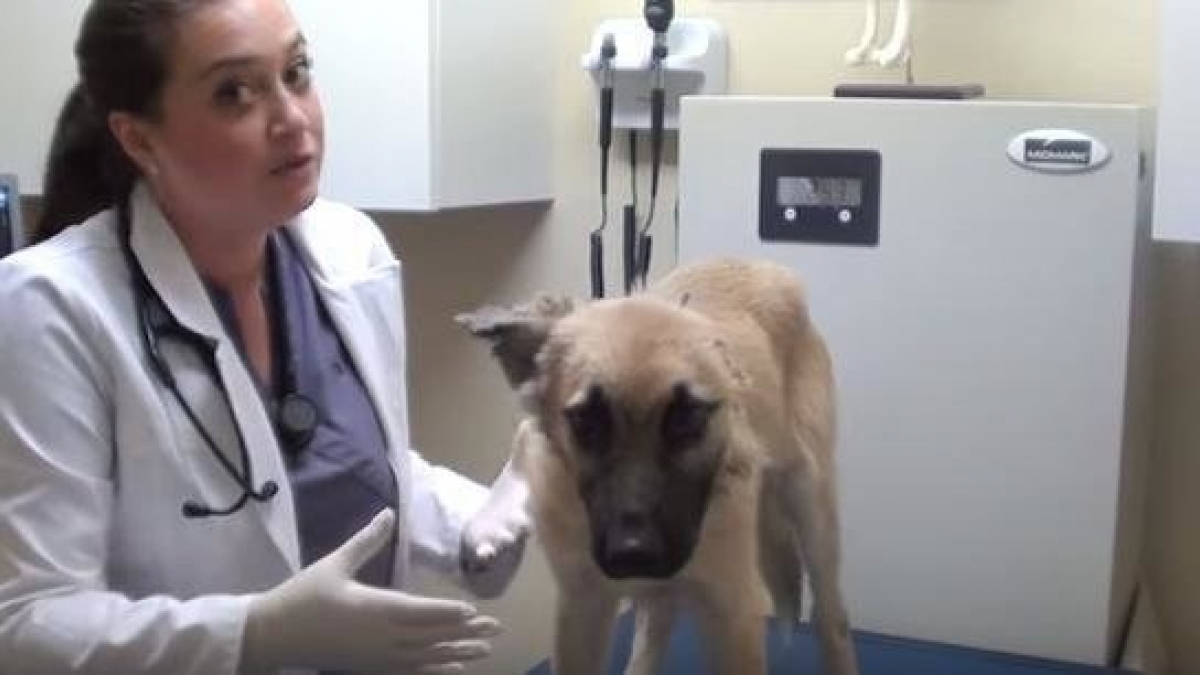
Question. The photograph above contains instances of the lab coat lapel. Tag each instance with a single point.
(170, 271)
(367, 311)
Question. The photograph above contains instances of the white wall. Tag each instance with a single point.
(29, 105)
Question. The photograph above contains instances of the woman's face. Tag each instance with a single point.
(240, 138)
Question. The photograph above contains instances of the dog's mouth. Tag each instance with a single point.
(650, 569)
(657, 570)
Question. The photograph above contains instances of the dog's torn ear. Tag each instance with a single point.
(517, 333)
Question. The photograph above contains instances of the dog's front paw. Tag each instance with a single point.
(493, 545)
(487, 537)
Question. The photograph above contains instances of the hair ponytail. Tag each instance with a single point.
(121, 53)
(86, 172)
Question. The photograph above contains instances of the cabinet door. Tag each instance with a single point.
(37, 69)
(372, 66)
(1177, 198)
(494, 101)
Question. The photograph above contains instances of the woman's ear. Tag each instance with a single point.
(134, 138)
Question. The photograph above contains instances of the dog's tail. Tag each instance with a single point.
(780, 559)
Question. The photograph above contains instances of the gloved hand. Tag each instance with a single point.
(322, 618)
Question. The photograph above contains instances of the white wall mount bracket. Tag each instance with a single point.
(696, 63)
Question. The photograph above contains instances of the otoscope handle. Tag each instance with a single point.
(657, 113)
(643, 252)
(606, 116)
(597, 259)
(606, 113)
(629, 240)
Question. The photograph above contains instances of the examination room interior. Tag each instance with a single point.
(1101, 51)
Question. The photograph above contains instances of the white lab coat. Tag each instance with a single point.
(99, 571)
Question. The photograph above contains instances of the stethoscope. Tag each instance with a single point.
(296, 415)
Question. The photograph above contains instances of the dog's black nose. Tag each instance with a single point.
(632, 548)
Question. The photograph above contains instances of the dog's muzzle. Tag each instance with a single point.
(631, 547)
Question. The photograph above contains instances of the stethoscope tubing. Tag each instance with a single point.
(143, 295)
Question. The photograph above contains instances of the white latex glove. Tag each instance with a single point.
(322, 618)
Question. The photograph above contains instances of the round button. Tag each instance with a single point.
(789, 214)
(845, 216)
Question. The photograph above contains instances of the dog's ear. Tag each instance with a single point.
(517, 333)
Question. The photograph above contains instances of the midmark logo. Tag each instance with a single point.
(1058, 151)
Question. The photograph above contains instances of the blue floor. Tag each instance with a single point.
(796, 654)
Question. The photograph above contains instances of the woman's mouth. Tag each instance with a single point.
(293, 165)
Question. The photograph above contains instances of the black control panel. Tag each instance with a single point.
(819, 196)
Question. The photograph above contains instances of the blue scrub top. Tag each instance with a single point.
(341, 477)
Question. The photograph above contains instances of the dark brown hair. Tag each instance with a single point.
(121, 54)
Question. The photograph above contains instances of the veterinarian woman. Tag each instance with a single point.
(203, 434)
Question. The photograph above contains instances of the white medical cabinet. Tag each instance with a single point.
(979, 272)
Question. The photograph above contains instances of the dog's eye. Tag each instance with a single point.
(686, 417)
(590, 421)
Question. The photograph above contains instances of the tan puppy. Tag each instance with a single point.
(679, 453)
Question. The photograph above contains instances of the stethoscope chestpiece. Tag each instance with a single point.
(297, 418)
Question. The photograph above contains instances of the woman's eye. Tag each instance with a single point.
(299, 74)
(233, 93)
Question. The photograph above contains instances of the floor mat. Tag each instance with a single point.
(796, 654)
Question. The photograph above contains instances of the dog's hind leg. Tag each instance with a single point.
(779, 557)
(583, 630)
(652, 631)
(812, 500)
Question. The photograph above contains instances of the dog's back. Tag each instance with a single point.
(746, 296)
(732, 291)
(755, 296)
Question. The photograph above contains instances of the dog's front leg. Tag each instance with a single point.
(735, 634)
(651, 633)
(731, 616)
(493, 540)
(583, 630)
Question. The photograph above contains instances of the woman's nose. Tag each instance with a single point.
(290, 114)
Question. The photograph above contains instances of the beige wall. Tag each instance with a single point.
(1085, 50)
